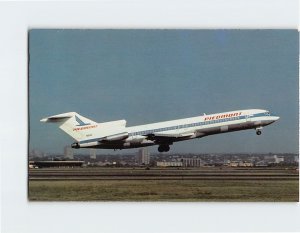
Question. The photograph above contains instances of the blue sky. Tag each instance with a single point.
(146, 76)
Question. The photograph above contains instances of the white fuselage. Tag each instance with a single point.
(178, 130)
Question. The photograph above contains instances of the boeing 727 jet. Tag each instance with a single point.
(115, 134)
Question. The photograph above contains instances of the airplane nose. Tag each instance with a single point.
(276, 118)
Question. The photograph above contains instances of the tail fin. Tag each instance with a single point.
(72, 123)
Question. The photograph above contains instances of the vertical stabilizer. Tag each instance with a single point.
(73, 124)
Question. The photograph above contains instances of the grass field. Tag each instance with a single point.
(163, 190)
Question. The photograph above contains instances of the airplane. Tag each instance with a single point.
(115, 135)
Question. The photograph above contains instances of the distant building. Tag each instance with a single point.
(169, 164)
(226, 162)
(36, 153)
(234, 164)
(241, 164)
(246, 164)
(261, 164)
(191, 162)
(68, 152)
(274, 159)
(102, 164)
(93, 154)
(143, 156)
(278, 159)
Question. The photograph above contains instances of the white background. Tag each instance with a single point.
(19, 215)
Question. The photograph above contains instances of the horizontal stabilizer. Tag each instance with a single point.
(59, 117)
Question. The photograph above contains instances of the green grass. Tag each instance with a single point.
(163, 190)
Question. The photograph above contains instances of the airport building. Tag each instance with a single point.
(191, 162)
(241, 164)
(143, 156)
(274, 159)
(234, 164)
(93, 154)
(278, 159)
(261, 164)
(43, 164)
(68, 152)
(169, 164)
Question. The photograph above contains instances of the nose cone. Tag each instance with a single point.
(43, 120)
(274, 118)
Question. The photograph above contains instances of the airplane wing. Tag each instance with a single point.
(167, 137)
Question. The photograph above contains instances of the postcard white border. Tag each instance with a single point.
(19, 215)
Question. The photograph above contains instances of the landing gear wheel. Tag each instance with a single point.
(160, 149)
(258, 132)
(167, 148)
(163, 148)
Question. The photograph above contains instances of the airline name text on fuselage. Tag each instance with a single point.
(209, 118)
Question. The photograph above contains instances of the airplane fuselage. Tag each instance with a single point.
(167, 132)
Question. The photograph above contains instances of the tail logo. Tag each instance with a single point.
(80, 122)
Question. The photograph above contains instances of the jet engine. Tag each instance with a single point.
(116, 137)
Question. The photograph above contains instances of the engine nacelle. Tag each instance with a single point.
(117, 137)
(77, 145)
(138, 143)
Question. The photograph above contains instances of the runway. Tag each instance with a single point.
(202, 173)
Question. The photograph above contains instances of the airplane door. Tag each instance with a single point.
(247, 118)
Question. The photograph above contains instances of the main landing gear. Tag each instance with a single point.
(163, 148)
(258, 130)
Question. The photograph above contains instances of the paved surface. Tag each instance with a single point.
(214, 173)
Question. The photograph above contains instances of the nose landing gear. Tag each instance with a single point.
(258, 130)
(163, 148)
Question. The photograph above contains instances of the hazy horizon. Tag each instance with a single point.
(147, 76)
